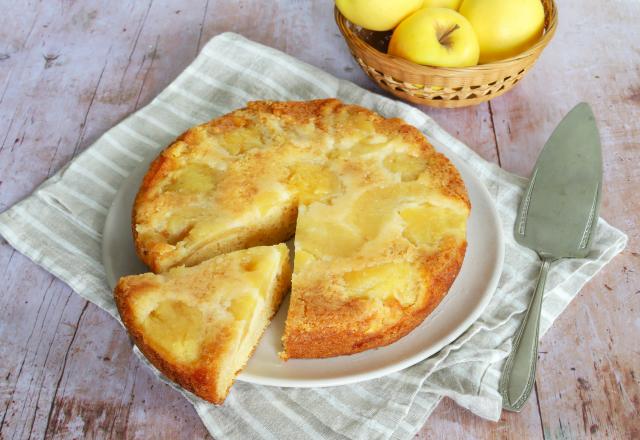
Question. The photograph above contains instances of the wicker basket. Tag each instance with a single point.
(440, 86)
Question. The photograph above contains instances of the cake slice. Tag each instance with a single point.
(199, 325)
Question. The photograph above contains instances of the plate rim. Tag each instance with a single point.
(402, 364)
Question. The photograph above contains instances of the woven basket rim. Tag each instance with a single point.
(551, 22)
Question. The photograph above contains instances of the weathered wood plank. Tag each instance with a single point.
(449, 421)
(101, 63)
(44, 315)
(17, 24)
(155, 57)
(588, 380)
(43, 311)
(50, 92)
(92, 87)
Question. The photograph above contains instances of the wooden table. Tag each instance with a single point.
(71, 70)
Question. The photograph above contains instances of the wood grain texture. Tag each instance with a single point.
(71, 70)
(595, 391)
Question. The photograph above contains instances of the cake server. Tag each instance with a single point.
(557, 218)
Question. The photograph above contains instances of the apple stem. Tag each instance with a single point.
(444, 38)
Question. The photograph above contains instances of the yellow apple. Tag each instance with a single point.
(377, 15)
(451, 4)
(504, 27)
(436, 37)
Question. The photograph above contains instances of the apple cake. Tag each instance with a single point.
(379, 216)
(199, 325)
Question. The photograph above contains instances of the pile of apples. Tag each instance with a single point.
(451, 33)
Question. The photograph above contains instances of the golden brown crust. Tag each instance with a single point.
(201, 376)
(320, 343)
(147, 182)
(195, 380)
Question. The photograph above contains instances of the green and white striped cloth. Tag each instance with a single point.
(60, 225)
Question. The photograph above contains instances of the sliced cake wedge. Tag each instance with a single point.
(199, 325)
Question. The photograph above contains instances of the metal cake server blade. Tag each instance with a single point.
(557, 218)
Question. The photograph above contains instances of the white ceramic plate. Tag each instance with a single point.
(466, 300)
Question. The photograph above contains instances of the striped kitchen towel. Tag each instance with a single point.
(59, 227)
